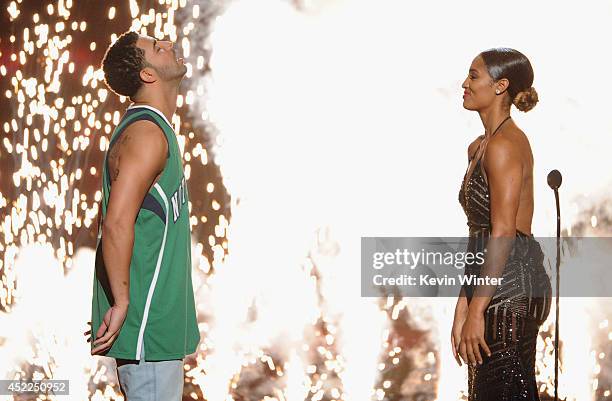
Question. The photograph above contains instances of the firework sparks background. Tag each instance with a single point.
(321, 119)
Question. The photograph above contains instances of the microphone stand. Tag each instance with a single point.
(554, 181)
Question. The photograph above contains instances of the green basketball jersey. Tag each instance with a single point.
(161, 314)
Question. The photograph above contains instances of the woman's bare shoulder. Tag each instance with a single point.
(473, 146)
(503, 148)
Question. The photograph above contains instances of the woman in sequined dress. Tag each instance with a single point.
(495, 328)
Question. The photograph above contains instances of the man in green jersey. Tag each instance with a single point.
(143, 309)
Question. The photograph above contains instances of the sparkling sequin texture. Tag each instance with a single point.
(515, 313)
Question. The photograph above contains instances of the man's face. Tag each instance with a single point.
(160, 55)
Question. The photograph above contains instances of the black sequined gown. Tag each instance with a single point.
(515, 313)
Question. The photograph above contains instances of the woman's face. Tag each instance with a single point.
(479, 88)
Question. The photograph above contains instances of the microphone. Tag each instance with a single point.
(554, 179)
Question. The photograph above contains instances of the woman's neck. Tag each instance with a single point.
(492, 118)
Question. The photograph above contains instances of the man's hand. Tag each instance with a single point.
(109, 329)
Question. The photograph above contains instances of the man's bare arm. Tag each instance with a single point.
(134, 163)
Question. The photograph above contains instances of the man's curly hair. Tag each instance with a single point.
(122, 64)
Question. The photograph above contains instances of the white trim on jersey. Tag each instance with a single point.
(146, 106)
(143, 324)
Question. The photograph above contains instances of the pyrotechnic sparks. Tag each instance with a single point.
(55, 131)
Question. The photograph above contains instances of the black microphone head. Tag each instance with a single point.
(554, 179)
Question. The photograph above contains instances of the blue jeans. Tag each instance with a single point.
(150, 380)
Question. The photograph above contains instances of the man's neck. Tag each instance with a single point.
(164, 101)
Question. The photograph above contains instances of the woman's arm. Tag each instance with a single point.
(462, 300)
(505, 173)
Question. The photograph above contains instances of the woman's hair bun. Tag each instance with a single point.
(526, 99)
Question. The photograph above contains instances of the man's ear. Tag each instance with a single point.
(147, 75)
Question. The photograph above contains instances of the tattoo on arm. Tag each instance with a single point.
(114, 158)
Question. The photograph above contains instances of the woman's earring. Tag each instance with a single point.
(497, 91)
